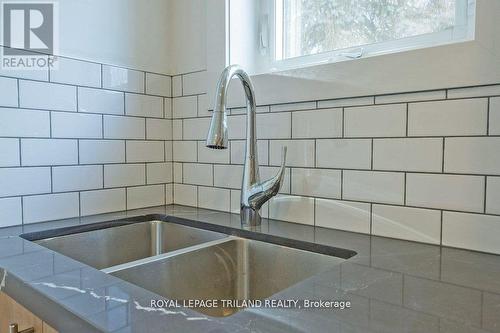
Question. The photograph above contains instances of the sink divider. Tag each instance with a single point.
(166, 255)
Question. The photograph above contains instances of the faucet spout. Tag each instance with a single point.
(254, 193)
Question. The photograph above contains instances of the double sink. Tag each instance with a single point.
(180, 262)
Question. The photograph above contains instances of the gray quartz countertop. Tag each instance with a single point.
(393, 285)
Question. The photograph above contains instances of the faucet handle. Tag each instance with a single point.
(284, 150)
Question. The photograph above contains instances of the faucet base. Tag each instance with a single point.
(250, 217)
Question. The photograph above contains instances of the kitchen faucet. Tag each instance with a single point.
(254, 193)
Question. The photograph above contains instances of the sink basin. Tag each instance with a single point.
(118, 245)
(236, 268)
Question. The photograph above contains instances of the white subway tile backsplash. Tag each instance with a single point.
(122, 79)
(195, 129)
(228, 176)
(411, 97)
(39, 73)
(185, 151)
(383, 187)
(360, 136)
(24, 123)
(455, 192)
(118, 127)
(317, 124)
(236, 127)
(494, 120)
(194, 83)
(177, 172)
(185, 107)
(214, 198)
(293, 106)
(422, 154)
(342, 102)
(207, 155)
(481, 91)
(343, 153)
(168, 151)
(292, 208)
(185, 195)
(448, 118)
(415, 224)
(50, 207)
(197, 174)
(471, 231)
(159, 173)
(177, 129)
(9, 153)
(274, 125)
(238, 152)
(24, 181)
(472, 155)
(102, 201)
(36, 152)
(100, 101)
(204, 106)
(10, 212)
(143, 106)
(71, 71)
(158, 129)
(300, 153)
(169, 194)
(493, 195)
(343, 215)
(49, 96)
(157, 84)
(316, 182)
(77, 178)
(145, 151)
(121, 175)
(102, 151)
(375, 121)
(177, 86)
(145, 196)
(167, 107)
(8, 92)
(76, 125)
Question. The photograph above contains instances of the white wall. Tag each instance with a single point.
(127, 33)
(188, 25)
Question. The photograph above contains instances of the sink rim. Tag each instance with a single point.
(230, 231)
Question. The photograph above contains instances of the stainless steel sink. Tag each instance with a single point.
(234, 269)
(118, 245)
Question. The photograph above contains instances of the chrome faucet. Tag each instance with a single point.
(254, 193)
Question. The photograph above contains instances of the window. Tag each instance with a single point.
(297, 33)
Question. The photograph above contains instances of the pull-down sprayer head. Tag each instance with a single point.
(217, 133)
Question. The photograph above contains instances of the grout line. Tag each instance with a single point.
(488, 117)
(22, 210)
(51, 179)
(485, 193)
(341, 184)
(442, 157)
(404, 189)
(18, 94)
(407, 119)
(371, 157)
(441, 230)
(102, 76)
(371, 218)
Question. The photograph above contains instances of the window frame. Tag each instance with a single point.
(462, 31)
